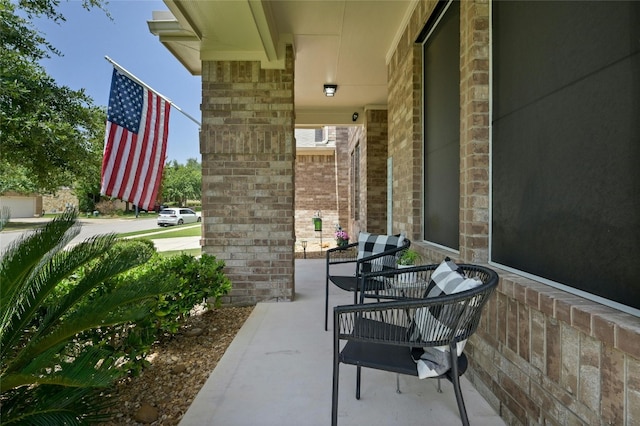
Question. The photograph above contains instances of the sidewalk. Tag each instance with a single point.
(278, 370)
(178, 243)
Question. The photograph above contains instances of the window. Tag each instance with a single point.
(566, 144)
(441, 59)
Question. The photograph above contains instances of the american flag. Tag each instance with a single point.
(135, 142)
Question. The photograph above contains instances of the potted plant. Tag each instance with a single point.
(408, 258)
(342, 238)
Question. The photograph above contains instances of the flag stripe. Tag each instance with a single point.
(150, 164)
(135, 142)
(160, 154)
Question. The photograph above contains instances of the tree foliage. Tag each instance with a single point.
(182, 182)
(46, 130)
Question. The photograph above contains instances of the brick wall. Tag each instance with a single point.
(316, 191)
(541, 355)
(405, 130)
(248, 153)
(322, 184)
(343, 179)
(376, 181)
(357, 220)
(373, 143)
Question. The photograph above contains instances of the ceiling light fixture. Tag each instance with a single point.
(330, 89)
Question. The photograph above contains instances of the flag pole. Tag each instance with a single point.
(137, 80)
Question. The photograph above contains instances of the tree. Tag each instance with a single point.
(50, 370)
(181, 183)
(46, 130)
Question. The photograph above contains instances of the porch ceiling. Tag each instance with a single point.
(343, 42)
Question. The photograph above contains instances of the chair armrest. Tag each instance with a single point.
(344, 254)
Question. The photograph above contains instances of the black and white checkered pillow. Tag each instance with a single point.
(448, 278)
(370, 244)
(428, 324)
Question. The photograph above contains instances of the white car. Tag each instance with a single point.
(177, 216)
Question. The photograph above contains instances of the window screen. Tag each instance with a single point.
(442, 129)
(566, 143)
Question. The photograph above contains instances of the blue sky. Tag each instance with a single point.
(88, 36)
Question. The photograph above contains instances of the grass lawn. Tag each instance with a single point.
(194, 230)
(18, 226)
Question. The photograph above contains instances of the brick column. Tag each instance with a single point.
(248, 155)
(376, 179)
(474, 131)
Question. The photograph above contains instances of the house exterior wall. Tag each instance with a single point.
(63, 198)
(541, 355)
(316, 192)
(248, 171)
(343, 200)
(372, 140)
(376, 188)
(322, 185)
(357, 216)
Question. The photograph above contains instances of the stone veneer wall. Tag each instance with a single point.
(541, 355)
(248, 171)
(62, 199)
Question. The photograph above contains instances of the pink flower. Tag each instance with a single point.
(342, 235)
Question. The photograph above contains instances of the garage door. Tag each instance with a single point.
(19, 206)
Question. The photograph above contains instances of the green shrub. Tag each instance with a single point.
(52, 304)
(191, 281)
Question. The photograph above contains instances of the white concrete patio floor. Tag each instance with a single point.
(278, 371)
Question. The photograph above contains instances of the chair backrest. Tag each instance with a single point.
(430, 321)
(379, 252)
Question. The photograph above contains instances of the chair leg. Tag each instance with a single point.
(398, 383)
(336, 372)
(358, 377)
(326, 305)
(456, 386)
(439, 386)
(334, 395)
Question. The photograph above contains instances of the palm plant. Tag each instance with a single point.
(50, 373)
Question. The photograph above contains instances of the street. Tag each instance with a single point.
(90, 227)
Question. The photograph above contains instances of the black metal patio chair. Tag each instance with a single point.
(371, 253)
(407, 332)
